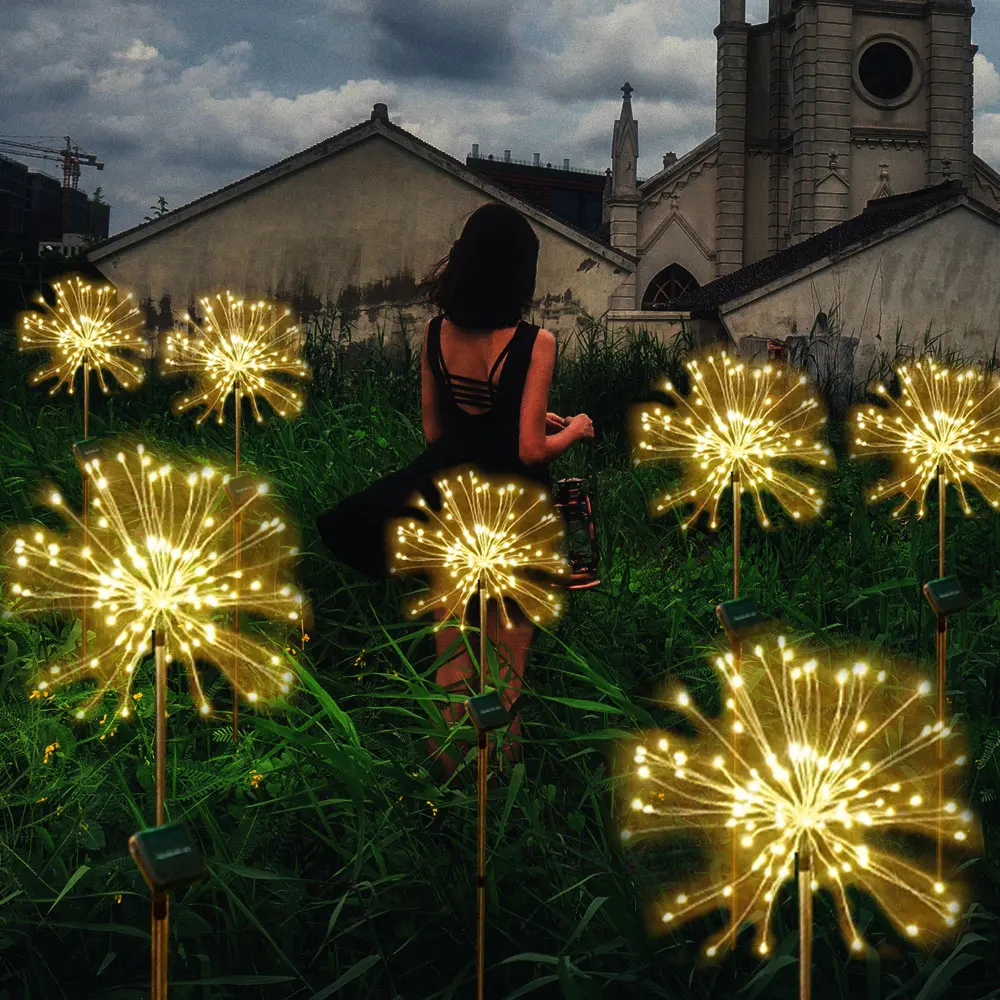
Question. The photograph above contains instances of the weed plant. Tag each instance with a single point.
(339, 865)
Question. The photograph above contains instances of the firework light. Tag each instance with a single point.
(88, 327)
(833, 762)
(160, 556)
(508, 536)
(238, 348)
(944, 420)
(747, 421)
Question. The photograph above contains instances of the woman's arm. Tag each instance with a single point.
(428, 396)
(534, 446)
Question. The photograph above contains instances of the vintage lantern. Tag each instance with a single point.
(572, 501)
(777, 350)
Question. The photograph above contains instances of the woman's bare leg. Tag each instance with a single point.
(455, 676)
(458, 675)
(514, 644)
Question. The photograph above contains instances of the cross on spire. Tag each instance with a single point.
(627, 91)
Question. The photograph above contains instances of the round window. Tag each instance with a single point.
(886, 71)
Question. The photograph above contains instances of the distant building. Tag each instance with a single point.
(31, 213)
(13, 203)
(575, 196)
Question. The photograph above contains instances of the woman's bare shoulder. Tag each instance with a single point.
(546, 337)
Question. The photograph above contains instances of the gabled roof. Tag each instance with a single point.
(377, 125)
(679, 167)
(878, 220)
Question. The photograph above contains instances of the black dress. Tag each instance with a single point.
(354, 530)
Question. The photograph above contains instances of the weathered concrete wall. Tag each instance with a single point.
(933, 273)
(358, 230)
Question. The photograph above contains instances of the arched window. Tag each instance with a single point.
(671, 283)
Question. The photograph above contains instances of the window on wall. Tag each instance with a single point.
(671, 283)
(885, 71)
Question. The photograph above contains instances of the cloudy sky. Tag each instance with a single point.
(179, 98)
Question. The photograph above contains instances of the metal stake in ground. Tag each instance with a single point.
(942, 658)
(161, 901)
(481, 812)
(804, 859)
(736, 649)
(238, 532)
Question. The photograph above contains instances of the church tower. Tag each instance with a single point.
(861, 95)
(622, 202)
(731, 127)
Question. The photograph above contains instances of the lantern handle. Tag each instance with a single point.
(592, 492)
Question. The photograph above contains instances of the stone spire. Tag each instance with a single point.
(621, 202)
(625, 148)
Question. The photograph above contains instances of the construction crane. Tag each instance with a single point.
(70, 157)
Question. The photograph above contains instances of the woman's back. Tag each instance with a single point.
(473, 356)
(484, 394)
(479, 381)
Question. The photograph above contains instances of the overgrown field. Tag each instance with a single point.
(339, 867)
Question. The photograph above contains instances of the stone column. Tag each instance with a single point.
(779, 124)
(731, 126)
(834, 94)
(949, 94)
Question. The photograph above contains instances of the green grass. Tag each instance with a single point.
(330, 874)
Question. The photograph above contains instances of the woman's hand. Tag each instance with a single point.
(582, 427)
(554, 423)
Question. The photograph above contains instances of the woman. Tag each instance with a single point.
(485, 380)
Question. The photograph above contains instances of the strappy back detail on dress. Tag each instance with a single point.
(472, 392)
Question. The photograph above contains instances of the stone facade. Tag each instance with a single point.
(806, 135)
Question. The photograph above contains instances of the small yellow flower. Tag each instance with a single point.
(255, 778)
(49, 751)
(137, 695)
(118, 898)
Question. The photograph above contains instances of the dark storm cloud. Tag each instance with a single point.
(184, 97)
(444, 39)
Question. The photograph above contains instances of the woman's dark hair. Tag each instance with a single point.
(487, 281)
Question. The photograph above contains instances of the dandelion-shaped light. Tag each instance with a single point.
(504, 541)
(942, 425)
(89, 328)
(742, 425)
(832, 762)
(505, 536)
(160, 556)
(238, 348)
